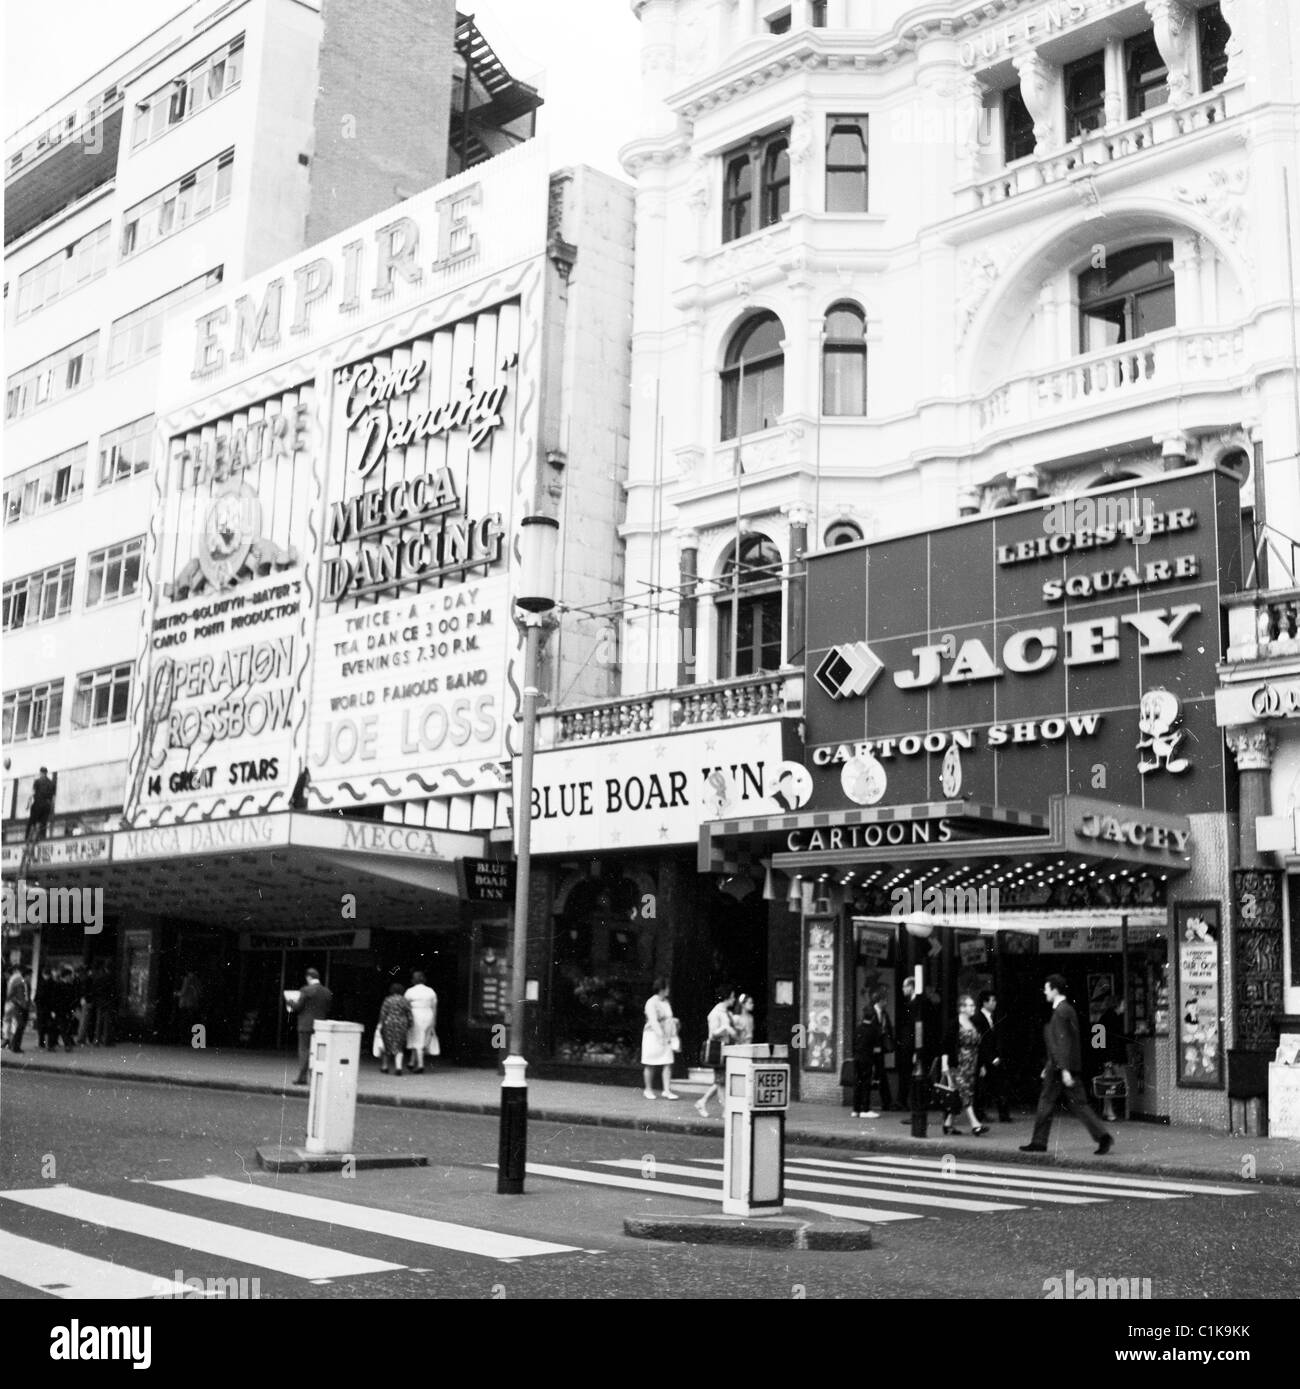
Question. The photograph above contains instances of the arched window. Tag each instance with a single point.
(844, 362)
(753, 377)
(749, 609)
(1128, 297)
(842, 533)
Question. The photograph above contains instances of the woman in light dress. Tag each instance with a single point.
(657, 1040)
(424, 1013)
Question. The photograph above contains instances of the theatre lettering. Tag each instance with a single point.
(897, 832)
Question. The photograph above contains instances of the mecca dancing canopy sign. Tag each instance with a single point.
(410, 692)
(1066, 648)
(218, 706)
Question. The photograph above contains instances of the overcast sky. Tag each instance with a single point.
(582, 53)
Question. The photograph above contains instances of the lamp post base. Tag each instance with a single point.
(512, 1149)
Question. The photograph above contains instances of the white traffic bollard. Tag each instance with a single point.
(332, 1104)
(756, 1097)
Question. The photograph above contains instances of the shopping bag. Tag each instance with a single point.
(433, 1047)
(377, 1046)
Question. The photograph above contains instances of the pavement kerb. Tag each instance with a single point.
(795, 1137)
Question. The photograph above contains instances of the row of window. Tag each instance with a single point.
(79, 262)
(133, 337)
(112, 573)
(1129, 297)
(56, 481)
(100, 697)
(189, 93)
(1146, 84)
(173, 208)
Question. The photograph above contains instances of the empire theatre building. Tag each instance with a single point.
(325, 695)
(1016, 770)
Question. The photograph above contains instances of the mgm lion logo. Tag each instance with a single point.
(234, 549)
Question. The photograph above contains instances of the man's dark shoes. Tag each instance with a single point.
(1105, 1145)
(1032, 1148)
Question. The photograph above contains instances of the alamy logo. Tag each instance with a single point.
(77, 1342)
(1085, 1289)
(26, 904)
(936, 901)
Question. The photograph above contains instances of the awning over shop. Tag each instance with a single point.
(265, 871)
(1084, 854)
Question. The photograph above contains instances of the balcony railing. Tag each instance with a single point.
(1264, 626)
(1162, 363)
(1102, 148)
(689, 706)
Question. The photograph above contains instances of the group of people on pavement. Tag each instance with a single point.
(730, 1023)
(75, 1006)
(406, 1025)
(968, 1070)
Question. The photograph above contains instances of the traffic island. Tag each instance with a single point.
(764, 1232)
(282, 1158)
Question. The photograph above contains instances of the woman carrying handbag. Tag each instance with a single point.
(956, 1084)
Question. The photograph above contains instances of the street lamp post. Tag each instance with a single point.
(536, 598)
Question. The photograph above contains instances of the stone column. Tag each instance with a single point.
(968, 100)
(1171, 22)
(1028, 485)
(1116, 93)
(1252, 746)
(1189, 304)
(1039, 80)
(688, 552)
(1176, 449)
(797, 513)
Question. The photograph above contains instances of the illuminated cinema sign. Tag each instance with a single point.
(1049, 661)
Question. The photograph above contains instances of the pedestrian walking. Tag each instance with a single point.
(17, 1003)
(314, 1001)
(905, 1042)
(721, 1032)
(395, 1024)
(1114, 1051)
(866, 1043)
(422, 1038)
(657, 1040)
(64, 1009)
(85, 1006)
(1061, 1074)
(958, 1064)
(742, 1019)
(885, 1048)
(991, 1077)
(40, 806)
(103, 994)
(44, 1004)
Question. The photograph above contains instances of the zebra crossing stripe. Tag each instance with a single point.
(712, 1194)
(948, 1180)
(293, 1257)
(1137, 1182)
(64, 1273)
(464, 1239)
(900, 1198)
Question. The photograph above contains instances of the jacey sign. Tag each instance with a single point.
(1004, 659)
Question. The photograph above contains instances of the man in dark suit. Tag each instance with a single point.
(866, 1048)
(990, 1073)
(884, 1046)
(1062, 1073)
(313, 1001)
(905, 1043)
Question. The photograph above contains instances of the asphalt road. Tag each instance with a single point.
(118, 1141)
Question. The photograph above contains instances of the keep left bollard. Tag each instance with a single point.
(332, 1103)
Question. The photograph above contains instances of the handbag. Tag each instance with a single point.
(433, 1047)
(377, 1046)
(846, 1073)
(675, 1042)
(713, 1053)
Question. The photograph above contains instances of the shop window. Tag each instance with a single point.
(753, 377)
(749, 609)
(1017, 126)
(1212, 34)
(846, 164)
(604, 972)
(768, 157)
(1146, 77)
(1129, 297)
(1085, 95)
(844, 361)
